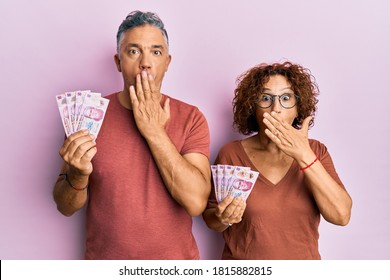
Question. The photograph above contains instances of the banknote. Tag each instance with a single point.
(241, 182)
(82, 109)
(70, 103)
(63, 108)
(214, 174)
(233, 180)
(92, 113)
(80, 95)
(219, 187)
(228, 171)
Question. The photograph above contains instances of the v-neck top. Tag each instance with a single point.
(280, 220)
(248, 162)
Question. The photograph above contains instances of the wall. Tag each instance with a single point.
(51, 47)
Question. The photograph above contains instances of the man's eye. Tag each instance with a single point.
(157, 52)
(133, 51)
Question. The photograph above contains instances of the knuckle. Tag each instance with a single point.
(87, 157)
(66, 158)
(226, 214)
(72, 162)
(81, 149)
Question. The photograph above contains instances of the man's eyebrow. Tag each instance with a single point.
(130, 45)
(158, 47)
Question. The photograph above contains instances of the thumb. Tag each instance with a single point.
(167, 108)
(305, 123)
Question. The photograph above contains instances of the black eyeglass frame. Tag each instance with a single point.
(280, 102)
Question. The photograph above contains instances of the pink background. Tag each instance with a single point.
(49, 47)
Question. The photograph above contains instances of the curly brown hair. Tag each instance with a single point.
(250, 85)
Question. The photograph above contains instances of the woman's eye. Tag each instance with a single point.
(286, 97)
(265, 98)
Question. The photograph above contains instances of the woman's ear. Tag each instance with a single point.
(117, 62)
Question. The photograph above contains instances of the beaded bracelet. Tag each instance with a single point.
(306, 167)
(70, 184)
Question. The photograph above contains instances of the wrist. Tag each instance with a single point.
(155, 136)
(308, 163)
(79, 175)
(76, 182)
(305, 158)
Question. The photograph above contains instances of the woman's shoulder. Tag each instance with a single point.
(315, 142)
(232, 145)
(318, 147)
(229, 152)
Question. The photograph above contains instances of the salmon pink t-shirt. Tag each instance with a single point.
(280, 220)
(130, 214)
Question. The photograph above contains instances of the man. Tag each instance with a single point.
(148, 172)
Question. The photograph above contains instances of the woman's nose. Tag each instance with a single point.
(276, 105)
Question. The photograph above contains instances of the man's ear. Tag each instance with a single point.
(168, 62)
(117, 62)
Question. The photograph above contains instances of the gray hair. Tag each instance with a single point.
(138, 18)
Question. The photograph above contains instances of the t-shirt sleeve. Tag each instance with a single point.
(198, 137)
(326, 160)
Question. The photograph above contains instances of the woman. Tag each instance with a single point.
(297, 183)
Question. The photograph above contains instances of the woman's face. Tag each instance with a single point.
(276, 86)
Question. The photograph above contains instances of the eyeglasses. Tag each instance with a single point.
(286, 100)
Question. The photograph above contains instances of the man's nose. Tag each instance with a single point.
(145, 62)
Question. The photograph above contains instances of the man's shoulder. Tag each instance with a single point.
(184, 110)
(110, 96)
(174, 102)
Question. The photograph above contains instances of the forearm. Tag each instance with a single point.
(67, 198)
(332, 200)
(212, 221)
(187, 177)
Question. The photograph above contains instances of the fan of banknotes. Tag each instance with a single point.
(82, 109)
(233, 180)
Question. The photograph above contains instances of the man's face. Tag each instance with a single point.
(143, 48)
